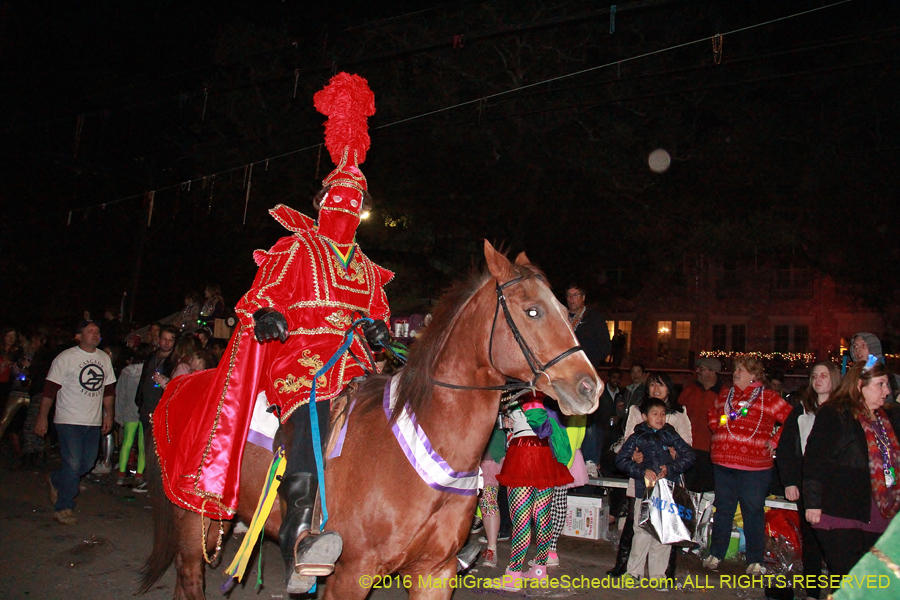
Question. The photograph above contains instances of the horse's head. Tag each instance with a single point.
(532, 339)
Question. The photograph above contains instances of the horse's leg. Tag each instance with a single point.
(189, 560)
(347, 581)
(434, 584)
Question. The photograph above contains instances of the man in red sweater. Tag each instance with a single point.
(698, 398)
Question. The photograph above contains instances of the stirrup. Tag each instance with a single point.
(318, 556)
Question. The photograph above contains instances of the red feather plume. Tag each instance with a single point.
(347, 101)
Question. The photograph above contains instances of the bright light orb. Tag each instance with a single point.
(365, 215)
(659, 161)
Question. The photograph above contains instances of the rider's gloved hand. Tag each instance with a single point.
(269, 324)
(377, 333)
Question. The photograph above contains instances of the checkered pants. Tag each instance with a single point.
(558, 514)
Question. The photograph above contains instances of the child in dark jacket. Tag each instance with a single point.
(663, 454)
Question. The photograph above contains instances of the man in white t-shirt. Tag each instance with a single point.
(82, 383)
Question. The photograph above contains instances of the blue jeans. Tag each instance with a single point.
(78, 447)
(750, 489)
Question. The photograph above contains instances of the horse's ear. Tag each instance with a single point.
(498, 265)
(522, 260)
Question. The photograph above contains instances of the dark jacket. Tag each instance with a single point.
(654, 445)
(633, 397)
(606, 410)
(789, 456)
(836, 465)
(148, 394)
(593, 337)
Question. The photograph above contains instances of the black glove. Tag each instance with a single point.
(269, 324)
(377, 333)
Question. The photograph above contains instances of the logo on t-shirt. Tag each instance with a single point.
(91, 377)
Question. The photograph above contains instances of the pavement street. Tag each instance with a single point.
(98, 558)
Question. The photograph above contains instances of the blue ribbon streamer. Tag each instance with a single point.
(314, 421)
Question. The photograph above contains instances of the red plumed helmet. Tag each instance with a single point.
(347, 101)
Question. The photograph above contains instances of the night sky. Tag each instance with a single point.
(784, 145)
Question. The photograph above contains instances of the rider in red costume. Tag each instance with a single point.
(309, 288)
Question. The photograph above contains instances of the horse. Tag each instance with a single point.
(502, 323)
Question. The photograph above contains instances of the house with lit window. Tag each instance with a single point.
(797, 314)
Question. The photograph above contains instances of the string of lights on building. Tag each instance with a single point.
(793, 359)
(783, 359)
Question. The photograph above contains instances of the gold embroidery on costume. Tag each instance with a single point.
(292, 384)
(354, 270)
(339, 319)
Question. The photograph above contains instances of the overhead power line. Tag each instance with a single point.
(511, 91)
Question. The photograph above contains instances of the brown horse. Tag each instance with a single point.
(504, 323)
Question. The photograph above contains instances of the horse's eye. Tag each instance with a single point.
(532, 313)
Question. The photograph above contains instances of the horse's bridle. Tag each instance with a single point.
(538, 369)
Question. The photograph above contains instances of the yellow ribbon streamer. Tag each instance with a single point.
(266, 500)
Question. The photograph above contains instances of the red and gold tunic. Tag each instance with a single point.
(321, 287)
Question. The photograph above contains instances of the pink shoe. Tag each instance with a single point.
(536, 572)
(512, 581)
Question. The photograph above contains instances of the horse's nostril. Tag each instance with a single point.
(586, 388)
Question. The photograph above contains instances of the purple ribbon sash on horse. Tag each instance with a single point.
(433, 469)
(263, 424)
(342, 434)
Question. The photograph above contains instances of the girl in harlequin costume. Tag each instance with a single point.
(534, 465)
(575, 427)
(310, 287)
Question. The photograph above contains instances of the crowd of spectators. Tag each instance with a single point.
(26, 357)
(832, 446)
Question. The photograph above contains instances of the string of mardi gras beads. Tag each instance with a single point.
(731, 415)
(883, 443)
(576, 318)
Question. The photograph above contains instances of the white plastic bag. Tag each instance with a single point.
(668, 520)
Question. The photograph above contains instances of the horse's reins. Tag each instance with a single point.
(538, 369)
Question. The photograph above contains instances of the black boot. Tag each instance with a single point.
(314, 555)
(624, 549)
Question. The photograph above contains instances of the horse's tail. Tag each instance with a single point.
(164, 532)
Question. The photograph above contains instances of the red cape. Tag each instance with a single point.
(202, 421)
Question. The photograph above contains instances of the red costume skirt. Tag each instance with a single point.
(530, 463)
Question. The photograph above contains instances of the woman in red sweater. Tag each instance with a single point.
(742, 421)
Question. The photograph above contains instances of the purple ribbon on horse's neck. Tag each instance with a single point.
(417, 448)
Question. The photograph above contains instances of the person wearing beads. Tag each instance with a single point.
(534, 465)
(824, 379)
(743, 420)
(850, 479)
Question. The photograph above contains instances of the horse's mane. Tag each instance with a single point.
(416, 377)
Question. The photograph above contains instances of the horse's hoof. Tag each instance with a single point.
(316, 555)
(299, 584)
